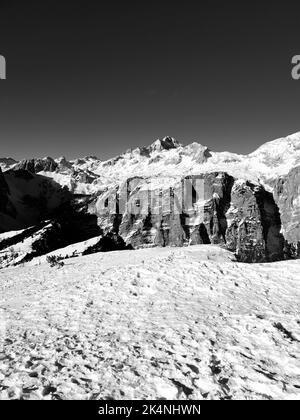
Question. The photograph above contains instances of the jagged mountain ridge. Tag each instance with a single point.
(168, 157)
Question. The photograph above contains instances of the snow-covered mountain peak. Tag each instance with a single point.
(283, 145)
(280, 155)
(197, 152)
(165, 143)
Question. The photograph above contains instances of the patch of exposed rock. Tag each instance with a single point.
(287, 197)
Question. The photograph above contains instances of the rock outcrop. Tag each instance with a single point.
(253, 224)
(287, 197)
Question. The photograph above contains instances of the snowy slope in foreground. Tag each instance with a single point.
(156, 323)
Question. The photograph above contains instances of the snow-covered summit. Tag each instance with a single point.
(166, 143)
(289, 144)
(283, 152)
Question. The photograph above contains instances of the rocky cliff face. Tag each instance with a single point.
(253, 224)
(199, 209)
(287, 197)
(211, 208)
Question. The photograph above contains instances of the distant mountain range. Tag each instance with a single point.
(251, 205)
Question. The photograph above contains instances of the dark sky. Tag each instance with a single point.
(98, 78)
